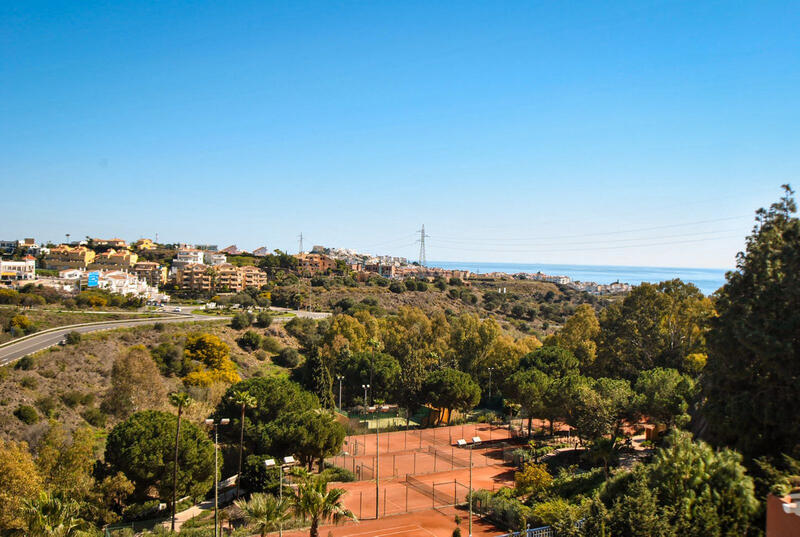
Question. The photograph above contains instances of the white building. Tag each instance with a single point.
(214, 258)
(18, 270)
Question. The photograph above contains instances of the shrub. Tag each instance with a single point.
(46, 404)
(334, 473)
(168, 358)
(26, 414)
(264, 319)
(25, 363)
(271, 344)
(72, 398)
(159, 327)
(241, 321)
(29, 382)
(9, 296)
(288, 357)
(397, 287)
(249, 341)
(73, 338)
(20, 325)
(94, 416)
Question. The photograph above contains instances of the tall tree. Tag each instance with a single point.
(245, 401)
(19, 481)
(141, 448)
(451, 389)
(665, 395)
(579, 335)
(136, 384)
(179, 400)
(751, 378)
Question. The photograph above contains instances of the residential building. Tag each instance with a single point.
(64, 257)
(114, 243)
(151, 272)
(214, 258)
(225, 277)
(144, 244)
(187, 256)
(230, 250)
(11, 271)
(194, 277)
(261, 252)
(314, 263)
(8, 247)
(115, 260)
(389, 271)
(253, 277)
(207, 247)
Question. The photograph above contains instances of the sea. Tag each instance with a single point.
(706, 279)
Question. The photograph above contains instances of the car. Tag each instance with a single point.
(176, 310)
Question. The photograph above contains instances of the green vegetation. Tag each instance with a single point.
(664, 354)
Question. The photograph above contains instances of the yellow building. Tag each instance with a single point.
(65, 257)
(115, 260)
(145, 244)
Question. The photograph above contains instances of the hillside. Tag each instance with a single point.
(68, 383)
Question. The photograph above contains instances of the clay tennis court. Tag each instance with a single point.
(422, 476)
(431, 523)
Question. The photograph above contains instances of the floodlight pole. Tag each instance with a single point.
(340, 377)
(215, 425)
(470, 490)
(377, 463)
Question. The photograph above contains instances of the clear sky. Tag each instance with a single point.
(632, 133)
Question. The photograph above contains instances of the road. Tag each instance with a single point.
(14, 351)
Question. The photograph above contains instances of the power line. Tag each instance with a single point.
(597, 234)
(587, 249)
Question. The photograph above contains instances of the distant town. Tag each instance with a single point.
(148, 270)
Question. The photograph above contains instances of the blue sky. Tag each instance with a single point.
(628, 133)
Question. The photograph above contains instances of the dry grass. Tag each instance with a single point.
(61, 374)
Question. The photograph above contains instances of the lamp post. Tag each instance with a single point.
(461, 443)
(366, 387)
(340, 377)
(287, 462)
(490, 385)
(215, 425)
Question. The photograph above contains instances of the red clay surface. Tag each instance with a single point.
(436, 464)
(430, 523)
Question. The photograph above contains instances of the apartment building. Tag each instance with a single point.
(66, 257)
(151, 272)
(12, 271)
(226, 277)
(261, 251)
(114, 243)
(315, 263)
(214, 258)
(253, 277)
(115, 260)
(187, 256)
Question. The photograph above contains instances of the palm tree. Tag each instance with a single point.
(179, 400)
(263, 512)
(49, 516)
(313, 500)
(243, 398)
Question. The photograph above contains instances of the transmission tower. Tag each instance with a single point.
(301, 242)
(421, 241)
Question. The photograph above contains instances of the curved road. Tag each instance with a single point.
(14, 351)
